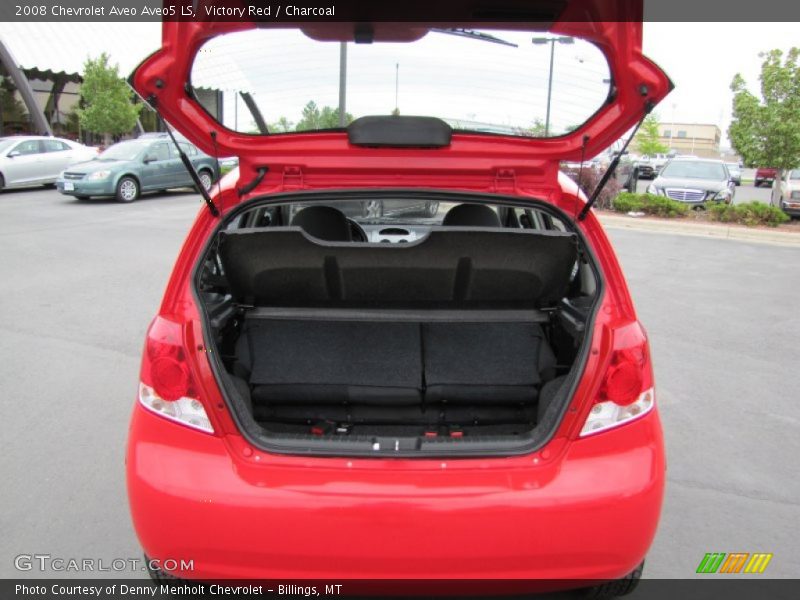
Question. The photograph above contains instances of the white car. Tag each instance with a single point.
(37, 160)
(790, 193)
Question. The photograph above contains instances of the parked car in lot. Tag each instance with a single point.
(344, 398)
(735, 172)
(37, 160)
(132, 167)
(694, 181)
(790, 193)
(765, 175)
(649, 167)
(626, 174)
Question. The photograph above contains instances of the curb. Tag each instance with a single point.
(742, 234)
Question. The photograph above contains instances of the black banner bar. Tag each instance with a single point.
(409, 10)
(710, 587)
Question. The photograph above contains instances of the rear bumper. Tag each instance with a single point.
(589, 512)
(791, 207)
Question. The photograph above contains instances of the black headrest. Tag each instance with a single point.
(472, 215)
(324, 222)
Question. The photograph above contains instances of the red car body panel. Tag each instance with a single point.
(766, 174)
(577, 508)
(551, 515)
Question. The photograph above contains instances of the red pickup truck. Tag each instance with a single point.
(765, 175)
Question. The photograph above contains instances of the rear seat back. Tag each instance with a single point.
(333, 362)
(485, 363)
(290, 362)
(450, 267)
(294, 362)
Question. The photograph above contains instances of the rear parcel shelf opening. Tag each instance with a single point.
(452, 267)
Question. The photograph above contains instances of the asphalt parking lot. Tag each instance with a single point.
(83, 279)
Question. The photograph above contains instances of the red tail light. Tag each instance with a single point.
(627, 391)
(625, 376)
(167, 387)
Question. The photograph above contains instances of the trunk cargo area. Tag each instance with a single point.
(463, 334)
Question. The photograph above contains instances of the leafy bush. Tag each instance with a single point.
(590, 177)
(627, 202)
(650, 204)
(724, 213)
(662, 206)
(748, 213)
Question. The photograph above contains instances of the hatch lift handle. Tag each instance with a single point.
(253, 184)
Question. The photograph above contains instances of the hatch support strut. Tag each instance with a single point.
(212, 208)
(613, 166)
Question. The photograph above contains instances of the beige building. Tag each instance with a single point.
(700, 139)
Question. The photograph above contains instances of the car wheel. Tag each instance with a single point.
(127, 189)
(206, 180)
(372, 209)
(2, 183)
(616, 588)
(756, 183)
(431, 208)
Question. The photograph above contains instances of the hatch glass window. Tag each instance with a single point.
(486, 81)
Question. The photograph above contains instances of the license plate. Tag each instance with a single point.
(69, 186)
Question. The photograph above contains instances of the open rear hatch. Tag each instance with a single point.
(201, 64)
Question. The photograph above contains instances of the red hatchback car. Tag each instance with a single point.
(455, 390)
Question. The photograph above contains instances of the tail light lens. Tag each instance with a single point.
(167, 387)
(627, 391)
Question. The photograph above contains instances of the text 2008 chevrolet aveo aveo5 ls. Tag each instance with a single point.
(457, 389)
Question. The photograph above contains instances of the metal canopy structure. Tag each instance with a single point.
(38, 120)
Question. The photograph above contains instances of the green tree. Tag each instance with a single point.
(108, 106)
(648, 138)
(536, 129)
(282, 125)
(326, 118)
(766, 131)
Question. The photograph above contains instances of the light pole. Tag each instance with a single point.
(552, 41)
(342, 84)
(672, 126)
(396, 88)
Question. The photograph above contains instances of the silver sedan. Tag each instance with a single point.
(37, 160)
